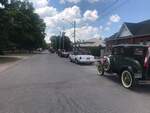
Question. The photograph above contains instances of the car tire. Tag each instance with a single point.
(106, 65)
(76, 61)
(127, 79)
(100, 69)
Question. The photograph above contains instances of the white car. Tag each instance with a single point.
(81, 57)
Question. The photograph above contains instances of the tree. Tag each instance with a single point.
(28, 30)
(21, 28)
(4, 2)
(61, 42)
(4, 23)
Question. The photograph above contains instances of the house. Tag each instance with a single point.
(131, 33)
(94, 42)
(95, 46)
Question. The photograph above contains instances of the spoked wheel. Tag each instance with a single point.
(100, 69)
(106, 65)
(127, 79)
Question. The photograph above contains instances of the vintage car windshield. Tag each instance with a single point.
(83, 53)
(138, 51)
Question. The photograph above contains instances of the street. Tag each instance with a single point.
(45, 83)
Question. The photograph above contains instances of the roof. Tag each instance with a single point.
(114, 36)
(94, 42)
(141, 28)
(137, 29)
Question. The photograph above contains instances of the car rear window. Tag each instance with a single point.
(138, 51)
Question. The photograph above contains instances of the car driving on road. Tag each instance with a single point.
(81, 57)
(130, 61)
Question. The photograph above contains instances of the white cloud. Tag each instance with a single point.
(77, 1)
(115, 18)
(93, 1)
(68, 14)
(55, 20)
(46, 11)
(109, 23)
(62, 1)
(84, 33)
(101, 28)
(107, 28)
(1, 6)
(91, 15)
(70, 1)
(39, 3)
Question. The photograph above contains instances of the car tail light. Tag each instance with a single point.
(146, 60)
(146, 63)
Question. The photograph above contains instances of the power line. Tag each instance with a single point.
(104, 15)
(110, 6)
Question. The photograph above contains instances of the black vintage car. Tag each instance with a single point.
(130, 61)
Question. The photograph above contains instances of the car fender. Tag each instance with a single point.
(126, 67)
(137, 75)
(106, 58)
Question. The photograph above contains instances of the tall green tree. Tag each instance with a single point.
(4, 25)
(61, 42)
(21, 27)
(4, 2)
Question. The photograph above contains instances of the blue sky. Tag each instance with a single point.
(95, 18)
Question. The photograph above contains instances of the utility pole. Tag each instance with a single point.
(74, 33)
(60, 41)
(63, 40)
(63, 36)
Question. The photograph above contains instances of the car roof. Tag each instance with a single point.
(130, 45)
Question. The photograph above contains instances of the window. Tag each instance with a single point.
(118, 51)
(138, 51)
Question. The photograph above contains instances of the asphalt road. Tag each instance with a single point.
(45, 83)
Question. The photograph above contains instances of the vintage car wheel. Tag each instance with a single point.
(100, 69)
(106, 65)
(127, 79)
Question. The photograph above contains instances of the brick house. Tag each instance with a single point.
(131, 33)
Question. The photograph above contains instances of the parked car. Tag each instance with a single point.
(58, 52)
(81, 57)
(39, 49)
(131, 62)
(51, 50)
(64, 54)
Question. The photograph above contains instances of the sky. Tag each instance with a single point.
(94, 18)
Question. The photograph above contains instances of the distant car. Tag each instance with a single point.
(59, 52)
(130, 61)
(81, 58)
(51, 50)
(64, 54)
(39, 49)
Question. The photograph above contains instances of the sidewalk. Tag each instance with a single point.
(7, 61)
